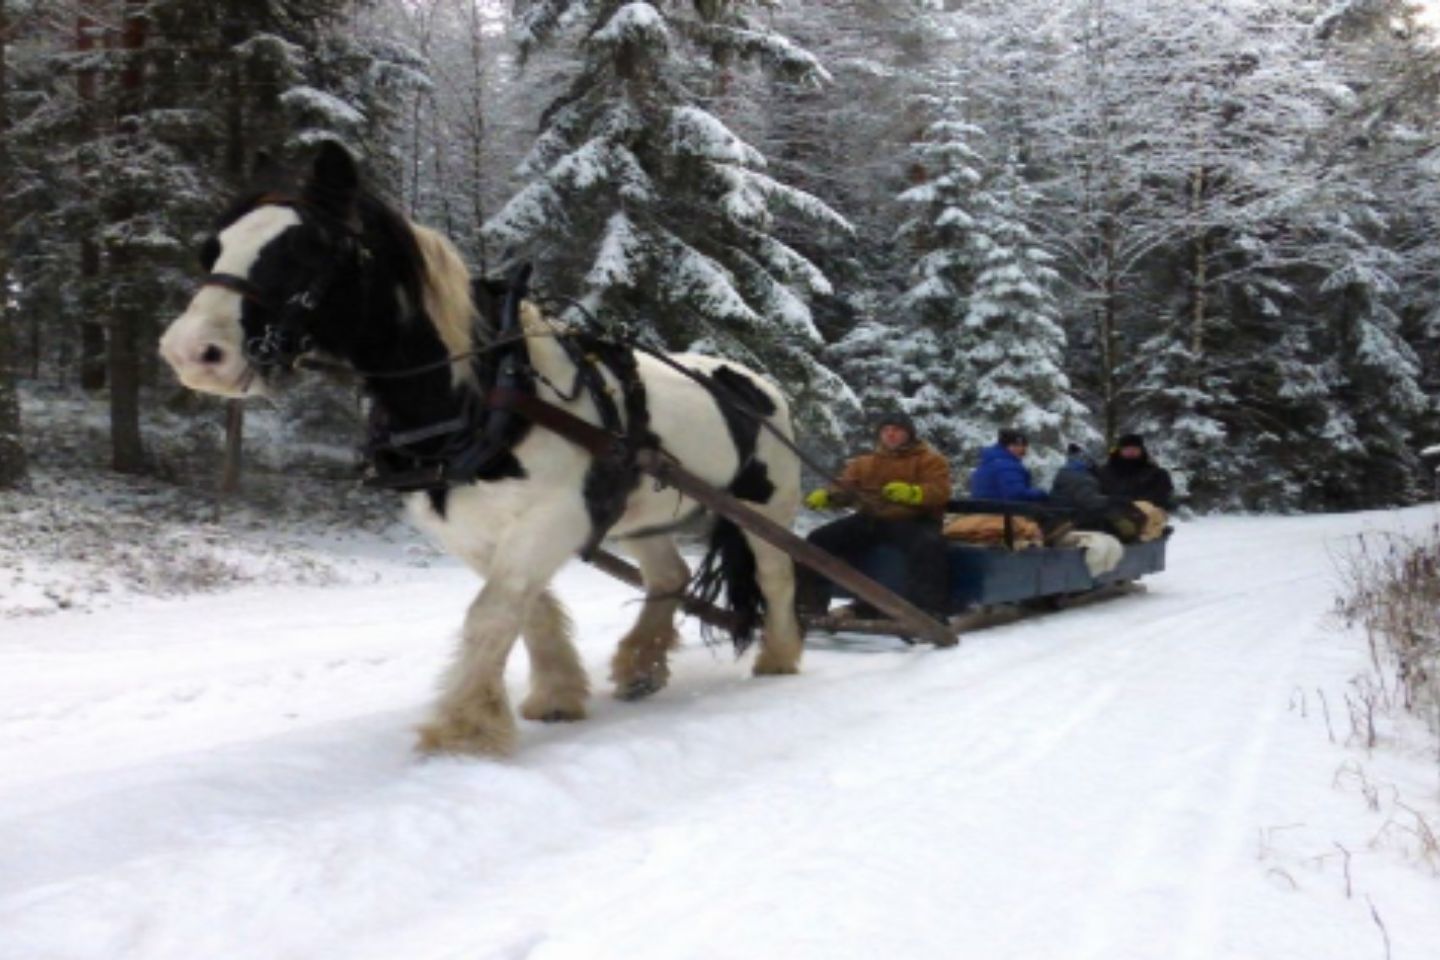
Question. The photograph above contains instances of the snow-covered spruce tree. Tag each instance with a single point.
(1011, 333)
(1377, 370)
(982, 294)
(946, 175)
(650, 210)
(887, 363)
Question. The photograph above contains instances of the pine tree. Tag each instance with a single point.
(1012, 321)
(649, 209)
(940, 233)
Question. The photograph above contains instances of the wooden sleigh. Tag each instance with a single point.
(991, 584)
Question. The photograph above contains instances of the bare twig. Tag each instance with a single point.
(1349, 887)
(1375, 914)
(1325, 707)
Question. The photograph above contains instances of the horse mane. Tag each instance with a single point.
(446, 289)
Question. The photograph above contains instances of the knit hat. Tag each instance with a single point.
(1130, 440)
(1074, 450)
(897, 418)
(1009, 437)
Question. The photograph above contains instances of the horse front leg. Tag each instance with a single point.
(641, 664)
(473, 712)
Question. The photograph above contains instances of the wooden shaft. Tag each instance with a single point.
(600, 443)
(910, 617)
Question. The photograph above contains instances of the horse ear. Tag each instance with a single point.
(263, 166)
(266, 176)
(334, 180)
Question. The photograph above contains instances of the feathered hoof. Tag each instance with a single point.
(440, 739)
(638, 688)
(767, 667)
(547, 711)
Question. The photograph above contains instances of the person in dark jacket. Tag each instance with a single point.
(1077, 488)
(1130, 474)
(1002, 474)
(899, 492)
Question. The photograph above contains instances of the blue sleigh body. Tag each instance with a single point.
(985, 576)
(990, 576)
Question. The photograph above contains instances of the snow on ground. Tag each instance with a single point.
(1166, 775)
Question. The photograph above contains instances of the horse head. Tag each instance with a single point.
(292, 275)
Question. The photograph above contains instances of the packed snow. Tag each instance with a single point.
(1170, 774)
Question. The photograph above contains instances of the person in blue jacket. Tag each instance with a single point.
(1002, 474)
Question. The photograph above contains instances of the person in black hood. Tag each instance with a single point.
(1077, 489)
(1130, 474)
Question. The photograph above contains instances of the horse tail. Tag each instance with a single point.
(729, 566)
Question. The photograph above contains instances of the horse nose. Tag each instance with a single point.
(197, 354)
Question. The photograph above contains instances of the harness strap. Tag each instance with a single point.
(405, 438)
(596, 441)
(236, 284)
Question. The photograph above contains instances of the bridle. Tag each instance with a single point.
(285, 338)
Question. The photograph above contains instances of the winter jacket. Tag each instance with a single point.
(1077, 487)
(1140, 479)
(913, 463)
(1001, 476)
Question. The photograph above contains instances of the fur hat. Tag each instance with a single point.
(896, 418)
(1009, 437)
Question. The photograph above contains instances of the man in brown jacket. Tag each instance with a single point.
(899, 492)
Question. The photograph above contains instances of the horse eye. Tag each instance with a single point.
(209, 253)
(306, 246)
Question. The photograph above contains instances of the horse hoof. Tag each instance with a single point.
(438, 739)
(638, 689)
(552, 713)
(774, 668)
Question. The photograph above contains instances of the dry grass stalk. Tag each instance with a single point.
(1392, 592)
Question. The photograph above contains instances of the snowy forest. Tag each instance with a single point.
(1216, 223)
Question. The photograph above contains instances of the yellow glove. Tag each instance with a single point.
(818, 499)
(898, 491)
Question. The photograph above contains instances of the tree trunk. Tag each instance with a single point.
(12, 445)
(127, 319)
(1109, 335)
(1200, 277)
(233, 31)
(234, 448)
(92, 332)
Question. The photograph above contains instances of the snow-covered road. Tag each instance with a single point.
(1152, 777)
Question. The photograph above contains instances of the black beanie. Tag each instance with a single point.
(1131, 440)
(1009, 436)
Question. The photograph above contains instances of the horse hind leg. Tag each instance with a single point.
(558, 685)
(641, 665)
(782, 642)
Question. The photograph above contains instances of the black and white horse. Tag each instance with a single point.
(332, 273)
